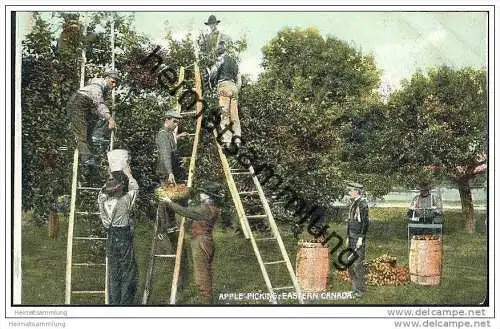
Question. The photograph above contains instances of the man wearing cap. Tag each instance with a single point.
(168, 171)
(208, 42)
(89, 114)
(203, 216)
(425, 208)
(224, 73)
(357, 226)
(115, 208)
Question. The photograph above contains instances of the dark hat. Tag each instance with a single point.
(213, 189)
(424, 186)
(212, 20)
(112, 186)
(173, 114)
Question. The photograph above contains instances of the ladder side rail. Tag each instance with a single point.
(71, 223)
(234, 191)
(149, 273)
(244, 221)
(191, 170)
(276, 233)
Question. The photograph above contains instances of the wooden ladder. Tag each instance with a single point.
(258, 244)
(177, 256)
(98, 239)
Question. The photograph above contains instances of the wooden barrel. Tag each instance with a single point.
(311, 266)
(425, 261)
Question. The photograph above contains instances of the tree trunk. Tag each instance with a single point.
(467, 206)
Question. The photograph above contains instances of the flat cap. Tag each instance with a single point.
(113, 74)
(354, 185)
(173, 114)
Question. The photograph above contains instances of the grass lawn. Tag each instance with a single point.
(463, 282)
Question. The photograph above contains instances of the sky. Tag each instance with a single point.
(401, 42)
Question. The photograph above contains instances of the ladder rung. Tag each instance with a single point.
(264, 239)
(241, 173)
(88, 213)
(188, 113)
(88, 238)
(88, 264)
(89, 292)
(248, 193)
(239, 170)
(276, 262)
(89, 188)
(284, 288)
(256, 216)
(165, 256)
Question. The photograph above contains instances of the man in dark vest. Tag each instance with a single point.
(203, 216)
(357, 226)
(168, 171)
(90, 117)
(224, 74)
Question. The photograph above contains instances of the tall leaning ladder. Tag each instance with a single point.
(262, 251)
(177, 256)
(76, 213)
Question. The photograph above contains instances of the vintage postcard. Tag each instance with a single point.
(257, 161)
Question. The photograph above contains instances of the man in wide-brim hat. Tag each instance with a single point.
(212, 20)
(208, 42)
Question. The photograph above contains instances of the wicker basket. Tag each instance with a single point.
(174, 192)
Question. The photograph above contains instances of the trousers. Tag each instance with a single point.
(202, 247)
(121, 265)
(357, 269)
(228, 101)
(84, 120)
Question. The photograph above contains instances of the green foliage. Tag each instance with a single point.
(46, 86)
(438, 121)
(302, 113)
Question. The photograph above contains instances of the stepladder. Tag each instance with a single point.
(86, 262)
(259, 227)
(168, 246)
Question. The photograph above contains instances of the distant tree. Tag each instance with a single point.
(301, 114)
(437, 127)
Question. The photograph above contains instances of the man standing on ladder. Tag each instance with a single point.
(115, 207)
(168, 170)
(203, 216)
(208, 42)
(89, 115)
(224, 73)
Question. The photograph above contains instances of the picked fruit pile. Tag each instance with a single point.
(382, 271)
(426, 237)
(314, 243)
(174, 192)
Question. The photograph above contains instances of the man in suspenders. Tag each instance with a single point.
(115, 208)
(357, 226)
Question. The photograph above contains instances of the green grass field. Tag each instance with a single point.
(464, 272)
